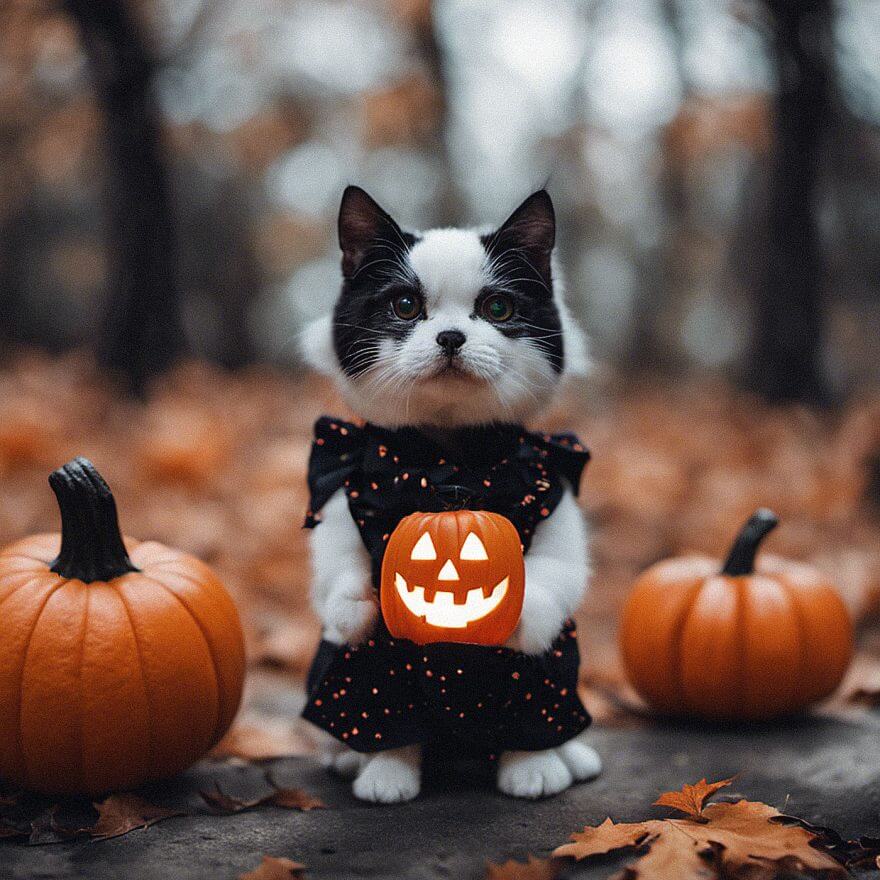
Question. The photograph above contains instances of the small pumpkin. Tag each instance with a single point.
(453, 576)
(120, 661)
(739, 641)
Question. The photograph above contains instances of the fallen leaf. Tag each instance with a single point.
(533, 869)
(275, 869)
(121, 813)
(859, 853)
(692, 798)
(294, 799)
(732, 840)
(224, 804)
(45, 829)
(607, 837)
(285, 798)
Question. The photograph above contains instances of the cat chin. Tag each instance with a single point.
(447, 404)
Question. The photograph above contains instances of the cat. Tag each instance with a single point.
(443, 331)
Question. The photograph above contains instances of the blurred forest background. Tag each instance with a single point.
(169, 179)
(716, 166)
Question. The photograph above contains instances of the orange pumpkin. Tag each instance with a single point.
(735, 642)
(455, 576)
(120, 662)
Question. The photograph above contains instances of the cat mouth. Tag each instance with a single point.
(443, 610)
(453, 370)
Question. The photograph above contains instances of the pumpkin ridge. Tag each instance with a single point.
(27, 556)
(27, 649)
(14, 590)
(678, 638)
(216, 587)
(794, 602)
(147, 696)
(740, 689)
(230, 617)
(82, 701)
(219, 716)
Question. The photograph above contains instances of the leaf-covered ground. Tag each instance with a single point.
(214, 463)
(826, 773)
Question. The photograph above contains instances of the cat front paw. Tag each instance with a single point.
(390, 777)
(535, 633)
(533, 774)
(582, 761)
(349, 620)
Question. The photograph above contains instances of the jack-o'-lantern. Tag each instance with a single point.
(454, 576)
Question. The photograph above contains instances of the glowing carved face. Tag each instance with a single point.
(456, 576)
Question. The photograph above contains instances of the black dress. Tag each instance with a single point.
(387, 692)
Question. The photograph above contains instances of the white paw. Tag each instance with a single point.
(348, 763)
(532, 774)
(582, 761)
(390, 777)
(539, 624)
(349, 620)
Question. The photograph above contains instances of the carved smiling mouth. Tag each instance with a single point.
(443, 611)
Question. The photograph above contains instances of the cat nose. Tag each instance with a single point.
(451, 341)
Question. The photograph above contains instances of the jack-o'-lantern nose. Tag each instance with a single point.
(448, 572)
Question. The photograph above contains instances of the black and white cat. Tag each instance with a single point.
(446, 330)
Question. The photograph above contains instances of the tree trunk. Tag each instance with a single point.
(788, 320)
(142, 329)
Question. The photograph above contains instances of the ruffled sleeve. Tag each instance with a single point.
(337, 454)
(569, 456)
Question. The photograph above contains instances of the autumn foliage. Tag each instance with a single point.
(719, 840)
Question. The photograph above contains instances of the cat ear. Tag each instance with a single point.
(361, 223)
(531, 229)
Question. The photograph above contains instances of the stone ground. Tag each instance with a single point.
(825, 770)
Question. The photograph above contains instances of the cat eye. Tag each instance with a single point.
(407, 306)
(497, 307)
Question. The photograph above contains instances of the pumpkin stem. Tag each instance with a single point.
(453, 496)
(91, 544)
(742, 555)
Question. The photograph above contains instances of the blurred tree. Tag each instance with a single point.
(143, 331)
(659, 303)
(788, 337)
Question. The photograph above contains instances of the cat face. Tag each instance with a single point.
(448, 327)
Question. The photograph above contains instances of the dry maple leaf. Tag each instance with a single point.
(734, 839)
(691, 799)
(224, 804)
(275, 869)
(121, 813)
(285, 798)
(533, 869)
(859, 853)
(607, 837)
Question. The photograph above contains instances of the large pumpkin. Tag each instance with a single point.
(120, 662)
(454, 576)
(735, 642)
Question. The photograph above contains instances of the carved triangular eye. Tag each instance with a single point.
(424, 548)
(473, 548)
